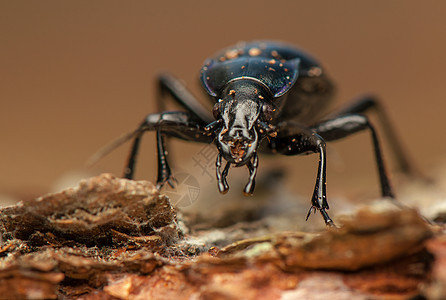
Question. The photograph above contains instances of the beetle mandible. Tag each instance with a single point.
(268, 97)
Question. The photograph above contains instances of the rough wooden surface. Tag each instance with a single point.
(111, 238)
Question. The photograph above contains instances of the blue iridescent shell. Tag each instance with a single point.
(276, 65)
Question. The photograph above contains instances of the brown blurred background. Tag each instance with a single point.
(74, 75)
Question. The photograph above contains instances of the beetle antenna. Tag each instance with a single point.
(104, 151)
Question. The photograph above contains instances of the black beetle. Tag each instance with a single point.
(269, 97)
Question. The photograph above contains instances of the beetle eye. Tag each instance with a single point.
(268, 111)
(216, 110)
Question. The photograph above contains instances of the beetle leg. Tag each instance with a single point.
(304, 142)
(178, 124)
(175, 88)
(164, 173)
(249, 188)
(223, 186)
(129, 170)
(346, 125)
(367, 103)
(185, 125)
(319, 198)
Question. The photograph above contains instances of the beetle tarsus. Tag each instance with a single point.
(169, 179)
(311, 210)
(328, 221)
(172, 181)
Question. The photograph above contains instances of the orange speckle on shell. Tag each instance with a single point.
(231, 54)
(254, 52)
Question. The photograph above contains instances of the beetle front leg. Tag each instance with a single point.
(303, 143)
(319, 199)
(164, 172)
(177, 124)
(368, 103)
(346, 125)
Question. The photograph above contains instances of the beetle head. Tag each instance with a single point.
(241, 111)
(237, 140)
(241, 114)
